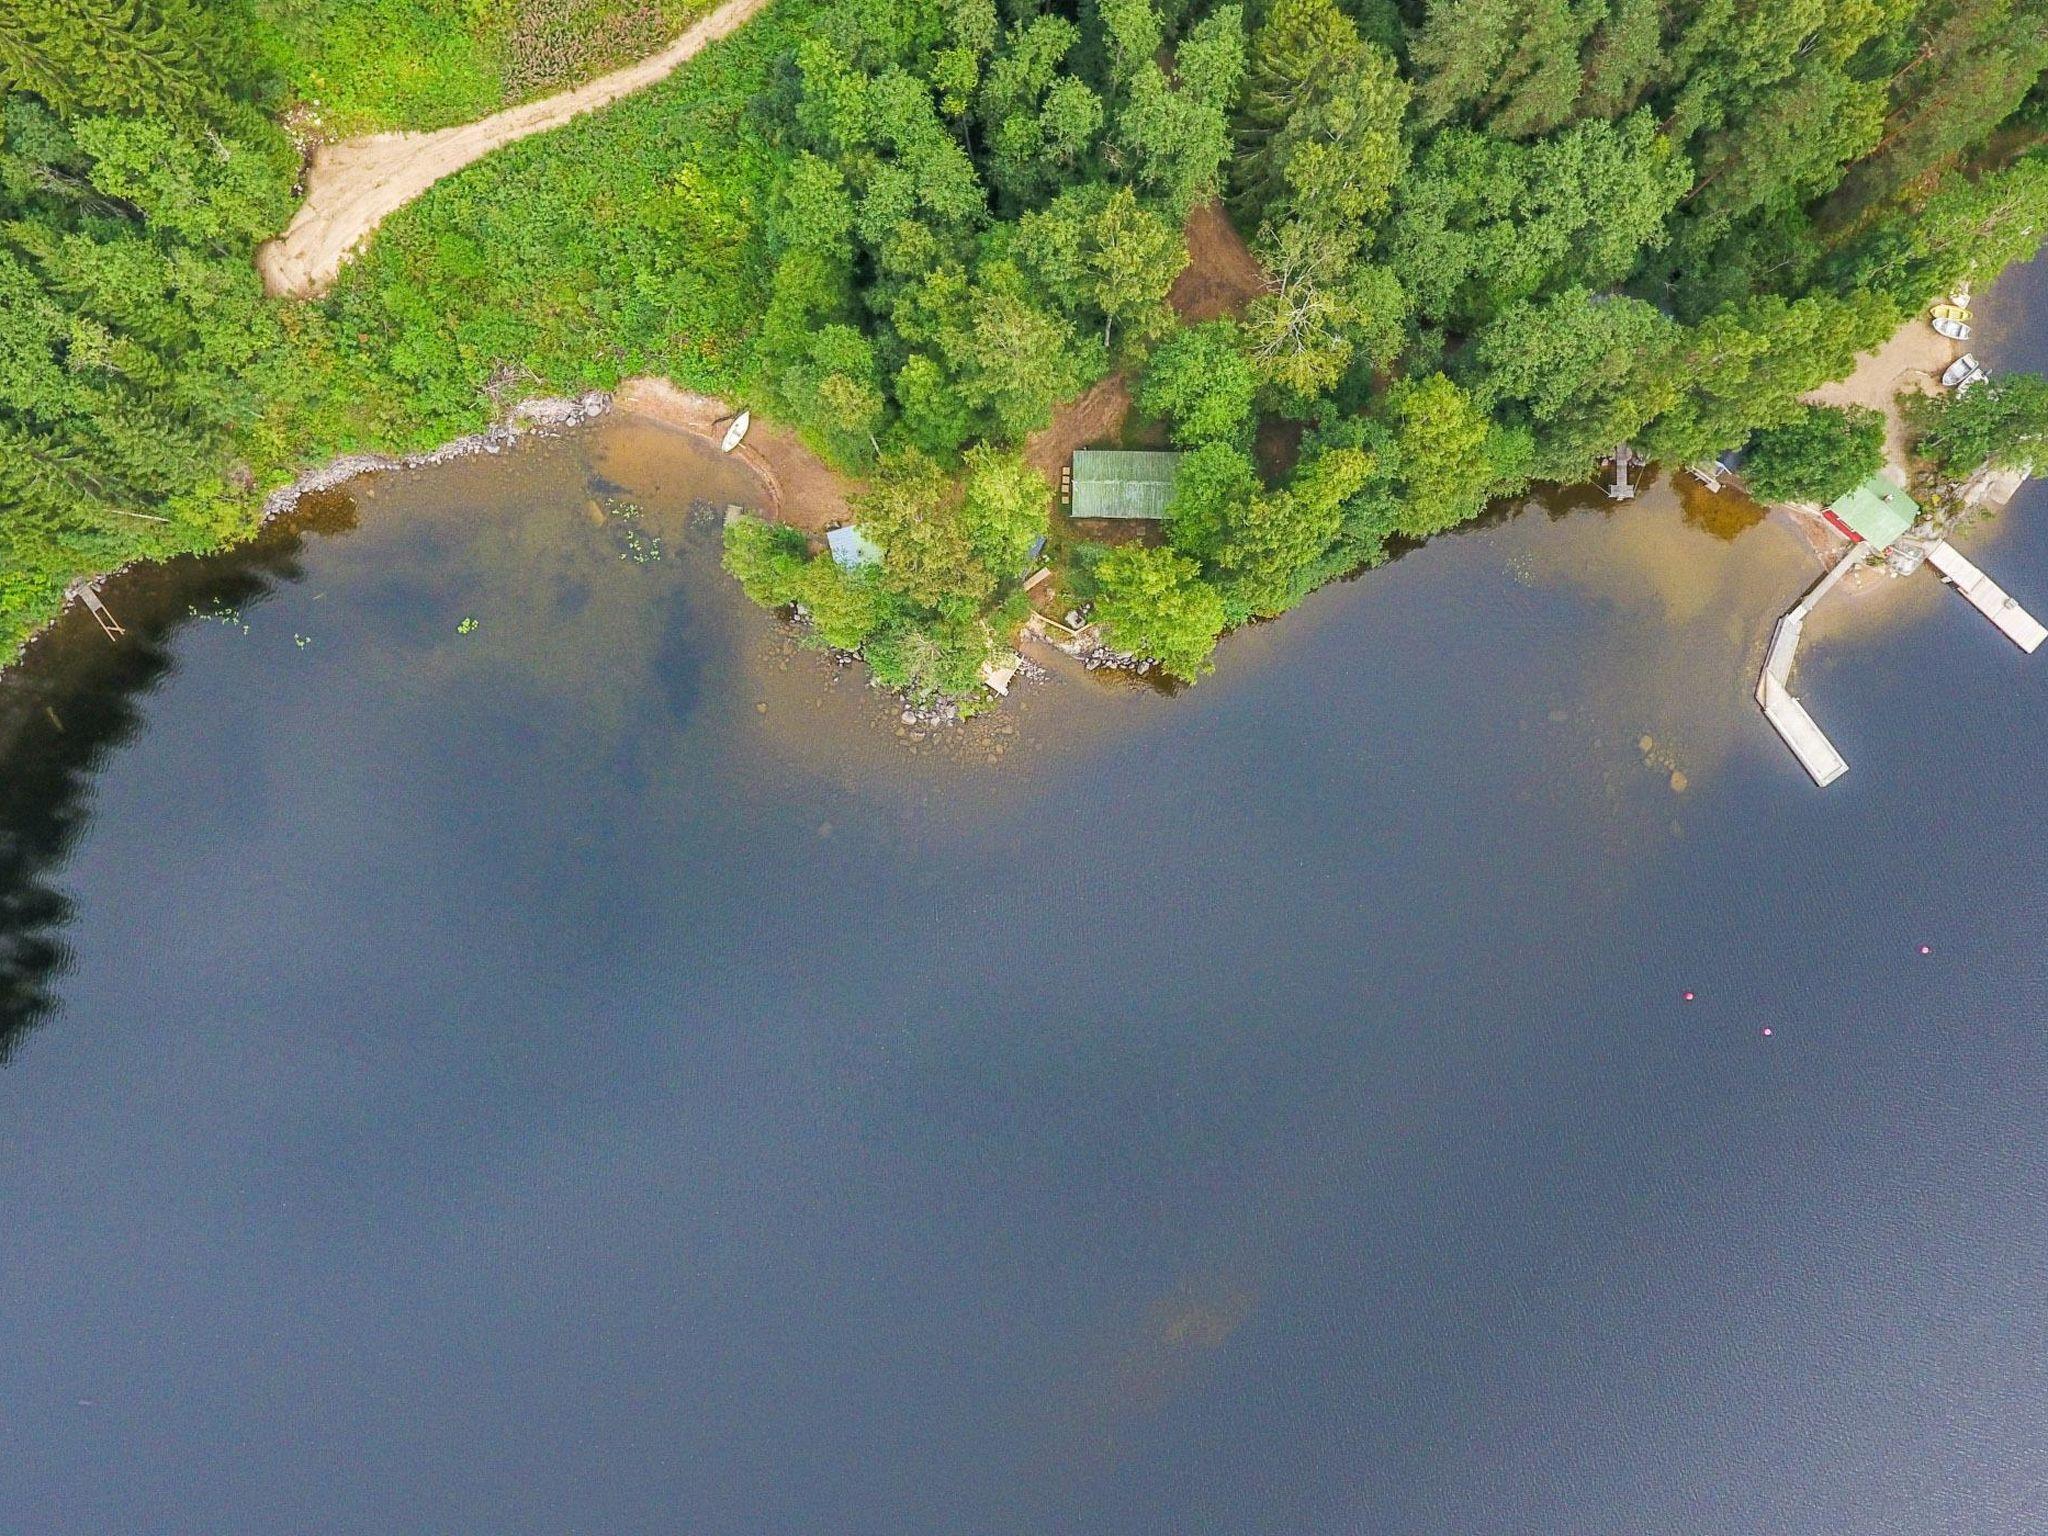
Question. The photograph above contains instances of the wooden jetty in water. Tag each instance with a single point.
(1816, 754)
(1876, 524)
(1711, 473)
(1988, 597)
(1624, 458)
(84, 592)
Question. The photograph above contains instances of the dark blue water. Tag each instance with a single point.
(592, 1074)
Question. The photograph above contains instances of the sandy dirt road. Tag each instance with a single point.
(353, 185)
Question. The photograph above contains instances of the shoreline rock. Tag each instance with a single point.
(537, 417)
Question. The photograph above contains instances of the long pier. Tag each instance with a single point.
(1816, 754)
(1988, 597)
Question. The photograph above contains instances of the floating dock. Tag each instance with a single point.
(1816, 754)
(1988, 597)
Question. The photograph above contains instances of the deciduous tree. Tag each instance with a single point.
(1154, 603)
(1817, 455)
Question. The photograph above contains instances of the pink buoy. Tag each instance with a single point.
(1925, 950)
(1767, 1031)
(1688, 997)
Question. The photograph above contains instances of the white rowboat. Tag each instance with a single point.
(1964, 370)
(737, 431)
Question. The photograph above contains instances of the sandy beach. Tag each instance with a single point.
(1912, 360)
(801, 489)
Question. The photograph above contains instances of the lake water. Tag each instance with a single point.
(593, 1073)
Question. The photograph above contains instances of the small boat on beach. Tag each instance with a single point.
(737, 432)
(1951, 320)
(1963, 372)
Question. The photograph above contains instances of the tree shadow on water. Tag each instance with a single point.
(72, 703)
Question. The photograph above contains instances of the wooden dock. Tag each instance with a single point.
(83, 591)
(1623, 459)
(1711, 473)
(1988, 598)
(1816, 754)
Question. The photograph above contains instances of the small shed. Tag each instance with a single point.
(1875, 513)
(1112, 483)
(852, 549)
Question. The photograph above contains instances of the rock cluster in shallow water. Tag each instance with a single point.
(550, 414)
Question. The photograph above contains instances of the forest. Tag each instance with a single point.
(1497, 237)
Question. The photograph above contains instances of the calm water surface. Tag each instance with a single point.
(593, 1074)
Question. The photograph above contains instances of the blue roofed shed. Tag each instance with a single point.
(852, 549)
(1114, 483)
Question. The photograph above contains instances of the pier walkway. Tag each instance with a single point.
(1816, 754)
(1988, 597)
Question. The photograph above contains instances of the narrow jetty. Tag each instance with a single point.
(1988, 597)
(1623, 459)
(83, 591)
(1816, 754)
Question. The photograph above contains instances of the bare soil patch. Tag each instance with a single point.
(1277, 448)
(800, 488)
(1095, 416)
(1222, 276)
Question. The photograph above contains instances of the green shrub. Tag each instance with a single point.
(767, 559)
(1154, 603)
(2001, 422)
(1826, 451)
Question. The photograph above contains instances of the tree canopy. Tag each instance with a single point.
(1820, 453)
(2002, 422)
(1491, 239)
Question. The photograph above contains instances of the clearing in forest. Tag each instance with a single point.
(1910, 362)
(352, 186)
(1221, 278)
(1222, 275)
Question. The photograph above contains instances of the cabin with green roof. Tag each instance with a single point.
(1875, 513)
(1114, 483)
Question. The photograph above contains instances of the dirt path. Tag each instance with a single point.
(1222, 276)
(351, 186)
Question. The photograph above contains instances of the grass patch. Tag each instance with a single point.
(367, 65)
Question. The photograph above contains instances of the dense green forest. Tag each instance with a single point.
(1499, 235)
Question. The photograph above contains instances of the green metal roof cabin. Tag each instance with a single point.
(1111, 483)
(1875, 513)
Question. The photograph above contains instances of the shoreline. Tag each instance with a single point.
(539, 416)
(803, 491)
(800, 489)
